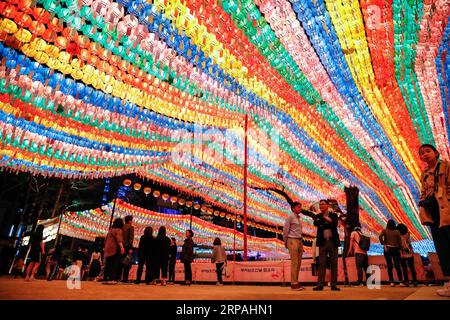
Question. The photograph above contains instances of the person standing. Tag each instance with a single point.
(162, 251)
(434, 206)
(219, 257)
(328, 242)
(95, 264)
(407, 255)
(128, 239)
(292, 236)
(391, 239)
(78, 257)
(36, 251)
(54, 261)
(361, 258)
(145, 253)
(172, 260)
(187, 256)
(113, 252)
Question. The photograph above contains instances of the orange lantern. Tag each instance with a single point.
(127, 182)
(196, 206)
(165, 196)
(189, 204)
(181, 202)
(173, 199)
(147, 190)
(156, 193)
(137, 186)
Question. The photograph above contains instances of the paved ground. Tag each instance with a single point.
(18, 289)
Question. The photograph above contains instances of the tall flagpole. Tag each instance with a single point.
(245, 187)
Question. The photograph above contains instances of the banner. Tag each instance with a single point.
(179, 272)
(306, 272)
(206, 272)
(380, 261)
(280, 271)
(436, 266)
(259, 271)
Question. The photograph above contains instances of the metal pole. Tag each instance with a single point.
(234, 238)
(113, 210)
(192, 207)
(245, 187)
(59, 227)
(58, 198)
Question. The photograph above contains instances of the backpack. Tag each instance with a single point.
(364, 242)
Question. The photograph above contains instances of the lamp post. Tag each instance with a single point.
(127, 183)
(245, 186)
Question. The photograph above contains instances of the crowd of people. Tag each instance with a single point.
(434, 212)
(158, 254)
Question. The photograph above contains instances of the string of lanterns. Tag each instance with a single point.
(93, 223)
(106, 88)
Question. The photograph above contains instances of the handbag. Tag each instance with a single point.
(126, 261)
(430, 201)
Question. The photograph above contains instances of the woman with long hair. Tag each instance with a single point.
(113, 252)
(37, 249)
(391, 239)
(95, 264)
(434, 206)
(219, 257)
(145, 253)
(172, 260)
(162, 251)
(407, 255)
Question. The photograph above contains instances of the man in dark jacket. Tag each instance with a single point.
(128, 238)
(145, 254)
(187, 256)
(328, 242)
